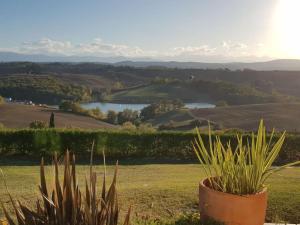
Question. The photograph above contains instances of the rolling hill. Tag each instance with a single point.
(278, 64)
(54, 82)
(245, 117)
(196, 91)
(19, 116)
(279, 116)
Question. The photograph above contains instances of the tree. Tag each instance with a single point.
(1, 100)
(70, 106)
(51, 122)
(148, 112)
(118, 85)
(127, 115)
(112, 117)
(96, 113)
(160, 107)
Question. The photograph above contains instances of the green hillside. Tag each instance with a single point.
(156, 92)
(42, 89)
(53, 82)
(181, 120)
(196, 91)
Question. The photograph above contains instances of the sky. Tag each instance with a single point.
(183, 30)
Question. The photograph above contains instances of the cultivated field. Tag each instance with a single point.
(161, 190)
(19, 116)
(279, 116)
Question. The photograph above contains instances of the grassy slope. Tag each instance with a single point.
(91, 81)
(181, 119)
(162, 190)
(198, 91)
(178, 116)
(279, 116)
(157, 92)
(19, 116)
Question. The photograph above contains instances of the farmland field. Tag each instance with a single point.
(19, 116)
(160, 190)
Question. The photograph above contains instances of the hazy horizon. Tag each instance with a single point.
(201, 31)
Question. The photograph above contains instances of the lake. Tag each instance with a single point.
(105, 106)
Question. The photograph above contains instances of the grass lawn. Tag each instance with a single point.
(161, 190)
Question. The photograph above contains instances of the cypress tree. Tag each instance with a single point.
(51, 122)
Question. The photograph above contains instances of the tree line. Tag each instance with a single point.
(127, 115)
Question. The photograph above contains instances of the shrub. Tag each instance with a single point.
(245, 170)
(122, 144)
(37, 124)
(70, 106)
(128, 126)
(160, 107)
(75, 107)
(146, 127)
(64, 204)
(96, 113)
(112, 117)
(127, 115)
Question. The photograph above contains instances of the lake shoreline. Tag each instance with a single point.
(118, 107)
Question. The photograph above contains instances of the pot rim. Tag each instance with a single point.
(256, 195)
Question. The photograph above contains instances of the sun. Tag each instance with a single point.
(287, 27)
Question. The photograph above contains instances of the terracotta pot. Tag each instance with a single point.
(232, 209)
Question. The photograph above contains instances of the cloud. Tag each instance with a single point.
(229, 46)
(98, 47)
(46, 46)
(193, 50)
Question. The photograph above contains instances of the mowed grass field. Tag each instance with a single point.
(161, 191)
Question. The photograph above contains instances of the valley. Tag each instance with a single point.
(242, 97)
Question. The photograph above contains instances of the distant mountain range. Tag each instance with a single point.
(16, 57)
(279, 64)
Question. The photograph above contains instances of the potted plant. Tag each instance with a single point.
(234, 191)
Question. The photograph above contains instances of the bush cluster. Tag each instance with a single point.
(127, 115)
(42, 89)
(119, 144)
(160, 107)
(75, 107)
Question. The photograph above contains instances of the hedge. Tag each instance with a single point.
(118, 144)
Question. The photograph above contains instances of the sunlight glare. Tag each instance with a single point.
(287, 23)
